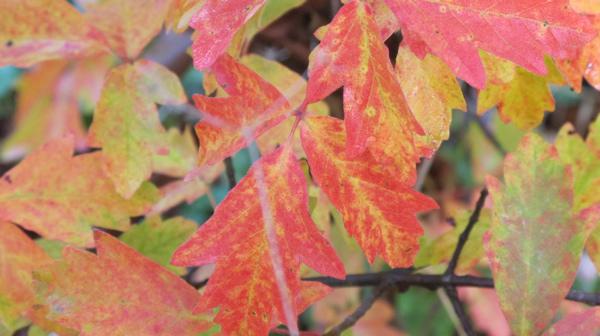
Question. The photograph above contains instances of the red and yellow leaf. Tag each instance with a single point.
(379, 210)
(586, 64)
(432, 92)
(377, 116)
(117, 292)
(32, 31)
(216, 23)
(521, 96)
(127, 25)
(536, 236)
(261, 232)
(126, 123)
(583, 323)
(61, 197)
(520, 31)
(230, 123)
(19, 257)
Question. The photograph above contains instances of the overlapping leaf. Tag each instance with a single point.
(19, 257)
(158, 239)
(521, 96)
(379, 210)
(536, 236)
(377, 116)
(261, 232)
(229, 123)
(432, 92)
(127, 25)
(520, 31)
(117, 292)
(61, 197)
(583, 323)
(33, 31)
(216, 23)
(126, 123)
(586, 64)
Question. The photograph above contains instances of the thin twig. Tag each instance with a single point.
(464, 236)
(489, 135)
(465, 321)
(364, 307)
(400, 277)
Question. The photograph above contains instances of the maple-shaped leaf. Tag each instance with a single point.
(216, 23)
(127, 25)
(60, 196)
(33, 31)
(379, 210)
(142, 297)
(377, 116)
(230, 123)
(520, 31)
(126, 123)
(586, 322)
(19, 257)
(535, 227)
(439, 250)
(432, 92)
(158, 239)
(586, 64)
(521, 96)
(584, 158)
(261, 232)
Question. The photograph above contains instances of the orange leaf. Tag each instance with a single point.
(261, 232)
(60, 196)
(117, 292)
(33, 31)
(229, 123)
(377, 116)
(522, 31)
(19, 257)
(378, 209)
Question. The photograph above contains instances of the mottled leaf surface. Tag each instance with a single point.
(126, 123)
(536, 236)
(32, 31)
(19, 256)
(216, 23)
(379, 210)
(520, 31)
(432, 92)
(116, 292)
(261, 231)
(60, 196)
(353, 55)
(586, 322)
(229, 123)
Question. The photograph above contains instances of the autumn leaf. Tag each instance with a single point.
(440, 249)
(586, 6)
(158, 239)
(583, 323)
(229, 123)
(181, 156)
(127, 25)
(261, 231)
(520, 31)
(19, 256)
(432, 92)
(584, 158)
(586, 64)
(377, 116)
(216, 23)
(521, 96)
(379, 210)
(126, 123)
(61, 196)
(33, 31)
(530, 235)
(144, 298)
